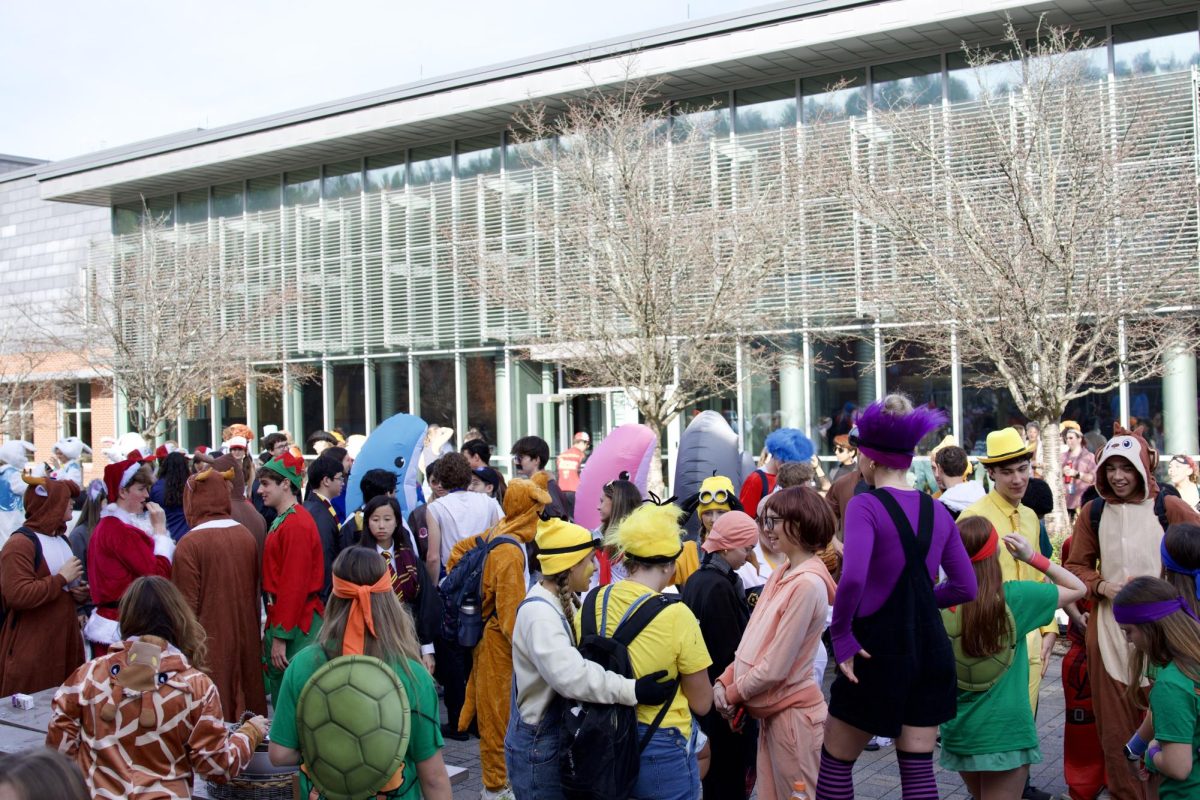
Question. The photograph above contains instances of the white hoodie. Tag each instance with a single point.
(957, 498)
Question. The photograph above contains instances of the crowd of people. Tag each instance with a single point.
(183, 598)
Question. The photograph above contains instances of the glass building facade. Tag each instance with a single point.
(379, 255)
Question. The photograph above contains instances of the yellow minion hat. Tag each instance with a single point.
(715, 492)
(650, 533)
(562, 545)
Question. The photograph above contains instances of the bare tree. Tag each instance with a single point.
(21, 380)
(1049, 227)
(651, 249)
(165, 321)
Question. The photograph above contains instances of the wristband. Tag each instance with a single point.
(1039, 562)
(1151, 753)
(1137, 745)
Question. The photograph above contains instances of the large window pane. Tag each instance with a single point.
(227, 200)
(478, 156)
(481, 395)
(840, 384)
(766, 108)
(984, 410)
(349, 410)
(391, 388)
(302, 187)
(998, 78)
(385, 172)
(437, 391)
(312, 409)
(193, 206)
(343, 179)
(264, 194)
(1153, 46)
(162, 209)
(700, 117)
(127, 218)
(908, 83)
(270, 405)
(823, 99)
(431, 164)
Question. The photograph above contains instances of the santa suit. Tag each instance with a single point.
(121, 550)
(217, 571)
(1126, 546)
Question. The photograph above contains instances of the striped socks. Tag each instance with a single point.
(916, 775)
(835, 781)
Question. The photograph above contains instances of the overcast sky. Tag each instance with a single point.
(79, 76)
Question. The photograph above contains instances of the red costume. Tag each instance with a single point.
(292, 577)
(40, 639)
(120, 552)
(217, 571)
(1083, 760)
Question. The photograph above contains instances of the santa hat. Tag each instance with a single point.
(72, 447)
(164, 450)
(127, 444)
(118, 474)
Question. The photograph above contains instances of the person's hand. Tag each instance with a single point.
(1048, 640)
(1019, 547)
(1068, 471)
(158, 517)
(649, 692)
(1084, 617)
(279, 658)
(81, 592)
(428, 660)
(71, 570)
(847, 666)
(721, 701)
(260, 724)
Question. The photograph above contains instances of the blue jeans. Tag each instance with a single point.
(531, 755)
(669, 770)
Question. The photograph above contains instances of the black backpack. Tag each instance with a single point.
(37, 562)
(462, 596)
(599, 750)
(1096, 507)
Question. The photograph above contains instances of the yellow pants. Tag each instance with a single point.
(487, 702)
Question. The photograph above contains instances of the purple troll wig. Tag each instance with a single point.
(890, 439)
(789, 444)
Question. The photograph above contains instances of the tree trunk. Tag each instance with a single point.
(656, 481)
(1057, 523)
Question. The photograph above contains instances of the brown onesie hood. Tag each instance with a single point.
(46, 502)
(1134, 449)
(206, 497)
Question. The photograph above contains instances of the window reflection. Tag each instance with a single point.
(385, 172)
(193, 206)
(908, 83)
(840, 383)
(437, 391)
(997, 78)
(478, 156)
(302, 187)
(1155, 46)
(162, 209)
(391, 388)
(263, 194)
(481, 395)
(431, 164)
(349, 412)
(343, 179)
(704, 117)
(823, 99)
(766, 108)
(227, 200)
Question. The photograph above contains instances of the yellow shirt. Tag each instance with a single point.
(1007, 519)
(672, 641)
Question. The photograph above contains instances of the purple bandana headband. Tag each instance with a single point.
(1141, 613)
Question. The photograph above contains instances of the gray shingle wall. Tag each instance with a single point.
(43, 247)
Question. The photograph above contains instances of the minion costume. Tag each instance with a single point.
(502, 589)
(716, 493)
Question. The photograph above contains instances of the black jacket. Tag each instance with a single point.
(327, 527)
(715, 595)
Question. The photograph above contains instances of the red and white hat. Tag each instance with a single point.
(117, 475)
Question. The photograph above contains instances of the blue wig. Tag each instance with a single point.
(789, 444)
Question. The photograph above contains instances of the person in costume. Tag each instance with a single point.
(843, 489)
(14, 455)
(648, 540)
(771, 676)
(41, 587)
(130, 541)
(895, 663)
(714, 498)
(67, 452)
(782, 445)
(1083, 761)
(1184, 475)
(216, 568)
(240, 507)
(1079, 468)
(846, 455)
(715, 594)
(1009, 464)
(502, 588)
(530, 455)
(992, 739)
(293, 570)
(618, 499)
(547, 667)
(143, 719)
(1181, 561)
(364, 617)
(1160, 624)
(384, 534)
(1126, 546)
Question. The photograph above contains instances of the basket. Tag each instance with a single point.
(253, 787)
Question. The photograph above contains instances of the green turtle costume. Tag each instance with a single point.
(978, 673)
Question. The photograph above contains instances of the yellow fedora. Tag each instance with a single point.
(1005, 445)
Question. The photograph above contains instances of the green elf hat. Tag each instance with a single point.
(289, 466)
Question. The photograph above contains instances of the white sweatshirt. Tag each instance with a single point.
(545, 662)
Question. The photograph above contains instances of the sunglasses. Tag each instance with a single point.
(719, 496)
(840, 449)
(767, 523)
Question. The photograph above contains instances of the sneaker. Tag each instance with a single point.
(1033, 793)
(883, 741)
(503, 794)
(872, 745)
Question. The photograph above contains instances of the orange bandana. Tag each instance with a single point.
(359, 621)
